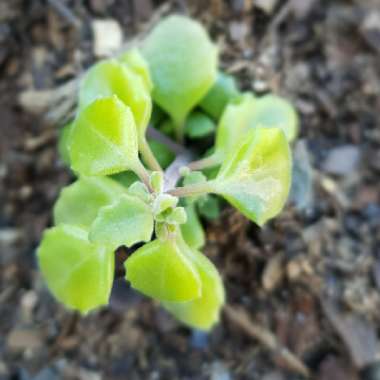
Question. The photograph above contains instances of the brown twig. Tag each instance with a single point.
(241, 318)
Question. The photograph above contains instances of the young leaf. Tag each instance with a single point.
(125, 222)
(233, 124)
(199, 125)
(256, 179)
(274, 111)
(135, 61)
(183, 64)
(112, 77)
(80, 202)
(222, 92)
(161, 270)
(192, 230)
(103, 139)
(203, 312)
(208, 206)
(78, 273)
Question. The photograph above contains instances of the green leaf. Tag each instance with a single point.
(161, 270)
(103, 139)
(163, 155)
(78, 273)
(199, 125)
(183, 64)
(192, 230)
(135, 61)
(177, 216)
(63, 143)
(111, 77)
(222, 92)
(80, 202)
(274, 111)
(209, 206)
(140, 190)
(156, 181)
(256, 179)
(234, 123)
(126, 178)
(126, 222)
(203, 312)
(164, 202)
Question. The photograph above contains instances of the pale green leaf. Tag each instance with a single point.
(203, 312)
(234, 123)
(274, 111)
(192, 230)
(160, 269)
(256, 179)
(112, 77)
(125, 222)
(209, 206)
(135, 61)
(79, 203)
(183, 65)
(103, 139)
(199, 125)
(78, 273)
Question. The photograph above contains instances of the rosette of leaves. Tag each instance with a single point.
(121, 197)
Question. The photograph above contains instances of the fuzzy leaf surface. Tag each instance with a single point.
(256, 179)
(234, 123)
(274, 111)
(135, 61)
(127, 221)
(183, 64)
(160, 269)
(80, 202)
(103, 140)
(203, 312)
(78, 273)
(112, 77)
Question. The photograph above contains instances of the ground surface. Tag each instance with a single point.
(311, 278)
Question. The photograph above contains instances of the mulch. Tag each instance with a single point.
(306, 284)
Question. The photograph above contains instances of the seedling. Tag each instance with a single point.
(132, 192)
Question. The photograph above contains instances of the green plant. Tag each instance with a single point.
(123, 197)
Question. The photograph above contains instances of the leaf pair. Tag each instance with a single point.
(183, 279)
(128, 78)
(245, 112)
(256, 179)
(78, 272)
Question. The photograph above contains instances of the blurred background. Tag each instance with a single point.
(302, 293)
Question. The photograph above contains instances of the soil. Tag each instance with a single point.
(307, 283)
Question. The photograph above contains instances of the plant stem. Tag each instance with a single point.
(192, 190)
(176, 148)
(172, 172)
(205, 163)
(143, 174)
(148, 155)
